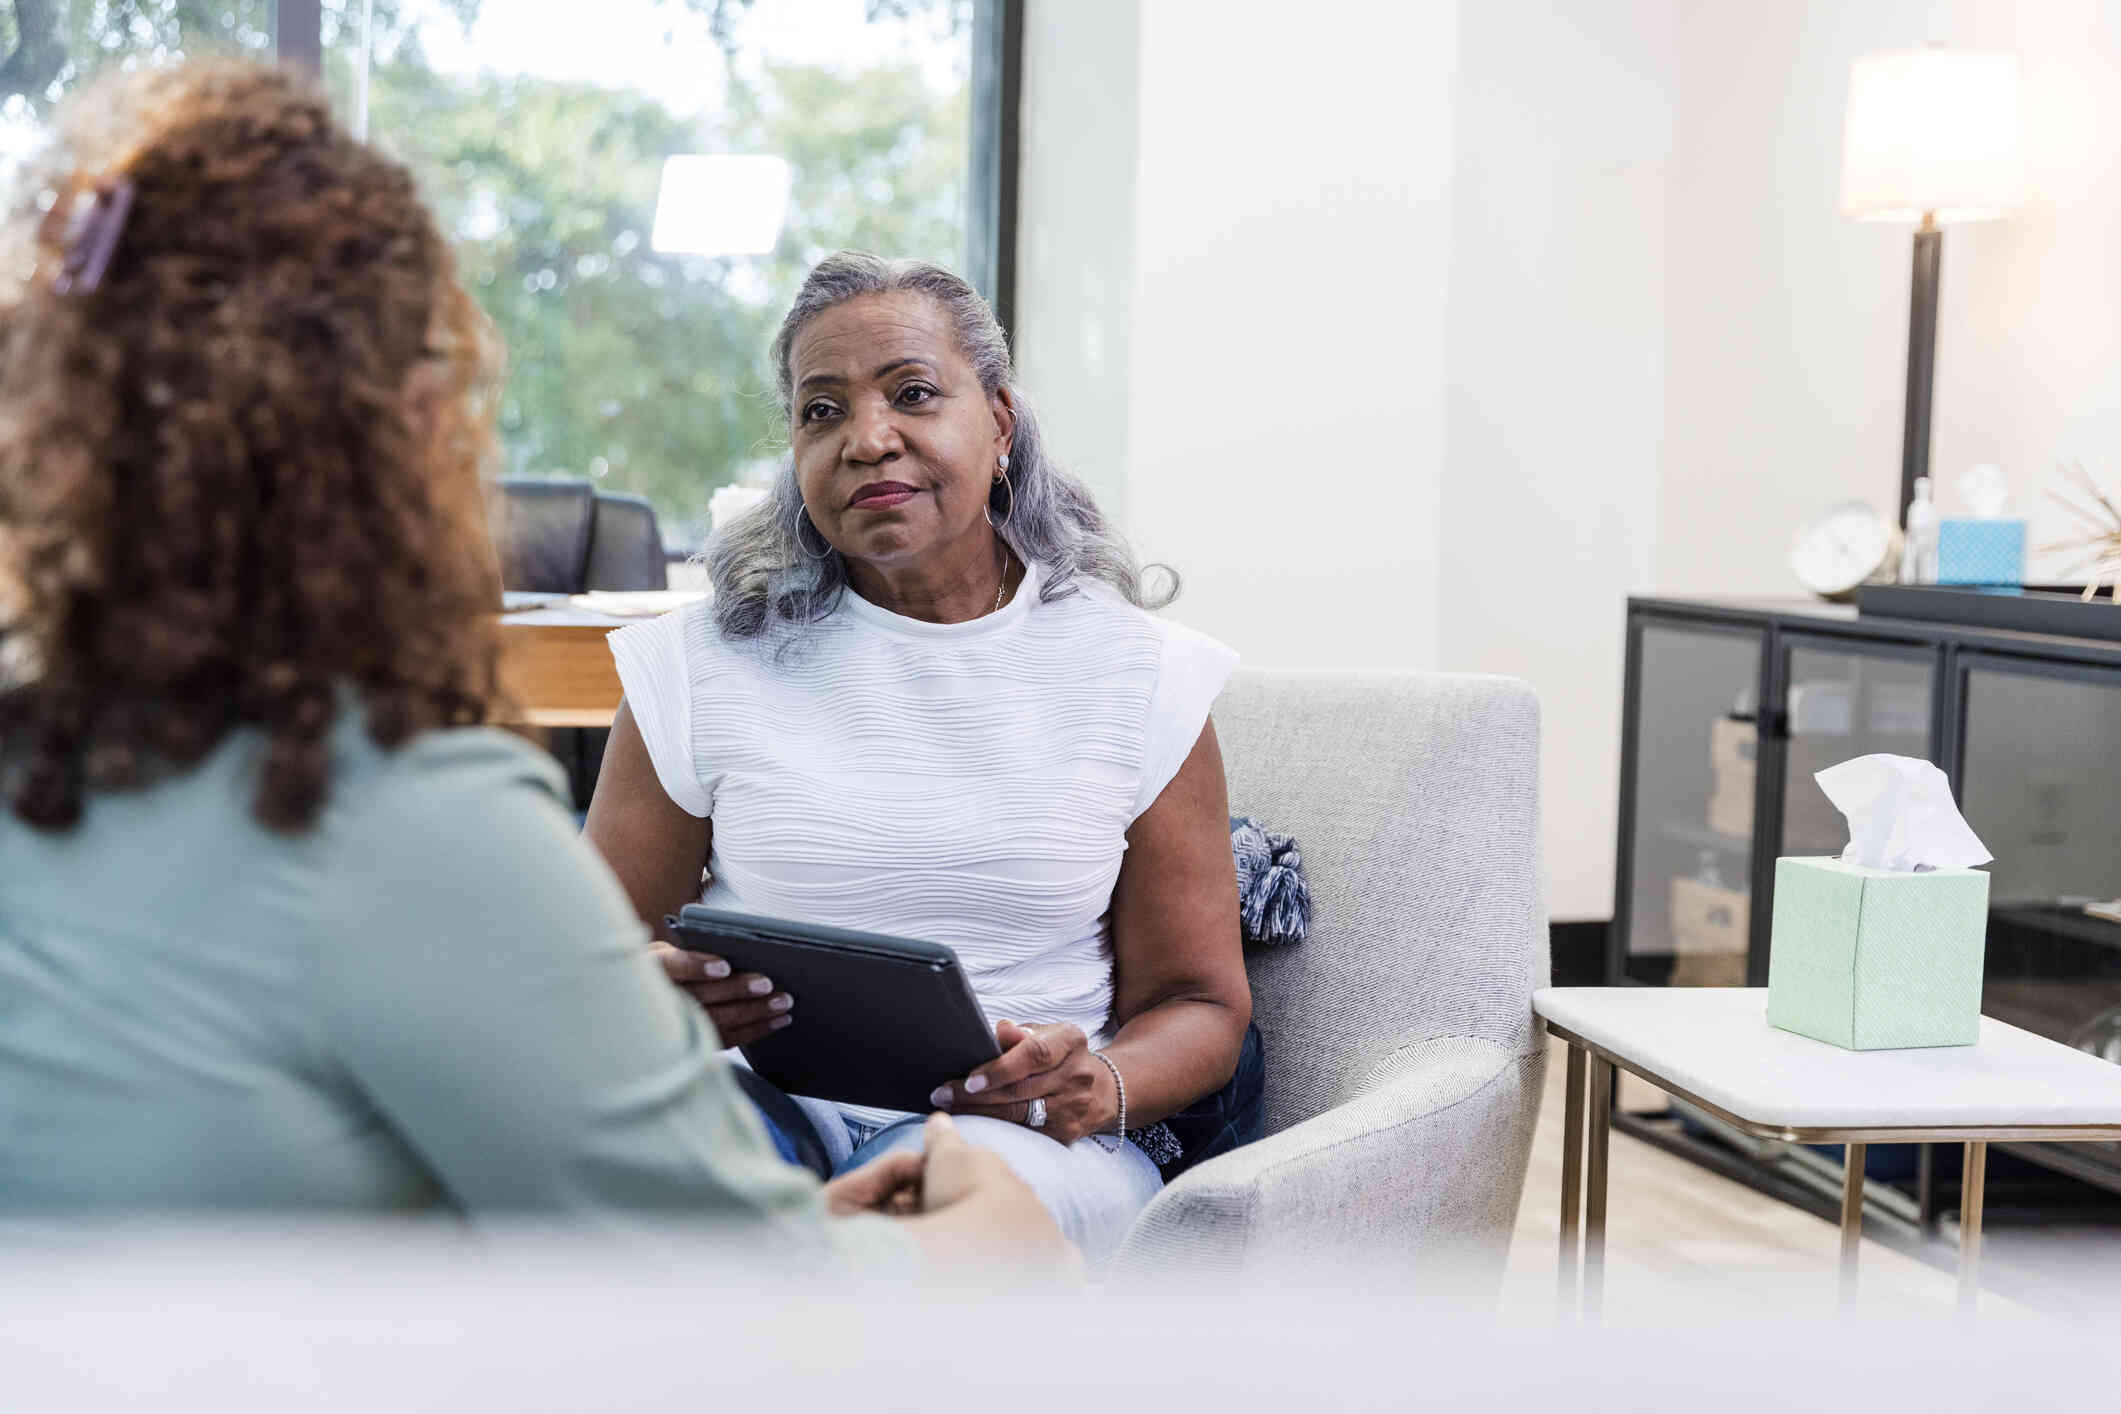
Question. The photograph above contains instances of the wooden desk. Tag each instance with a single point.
(556, 665)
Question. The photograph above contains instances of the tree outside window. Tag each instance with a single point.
(537, 130)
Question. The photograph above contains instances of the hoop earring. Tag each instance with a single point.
(1002, 482)
(802, 522)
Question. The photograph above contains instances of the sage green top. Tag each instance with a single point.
(438, 996)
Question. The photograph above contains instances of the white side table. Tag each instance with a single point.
(1712, 1047)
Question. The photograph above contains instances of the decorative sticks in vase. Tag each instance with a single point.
(2100, 548)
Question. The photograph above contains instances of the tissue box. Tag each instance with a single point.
(1873, 959)
(1973, 551)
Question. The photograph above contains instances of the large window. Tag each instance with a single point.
(540, 130)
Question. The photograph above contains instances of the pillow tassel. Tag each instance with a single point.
(1273, 897)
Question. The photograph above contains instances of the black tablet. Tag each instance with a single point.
(878, 1021)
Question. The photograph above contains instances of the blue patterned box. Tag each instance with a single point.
(1971, 551)
(1875, 959)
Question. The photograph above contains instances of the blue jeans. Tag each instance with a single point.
(1227, 1119)
(1093, 1193)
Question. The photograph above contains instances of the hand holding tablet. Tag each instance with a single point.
(886, 1021)
(744, 1006)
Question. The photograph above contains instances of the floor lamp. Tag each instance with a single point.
(1932, 139)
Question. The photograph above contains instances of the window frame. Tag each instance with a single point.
(997, 94)
(298, 33)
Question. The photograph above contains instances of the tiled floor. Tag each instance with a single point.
(1678, 1235)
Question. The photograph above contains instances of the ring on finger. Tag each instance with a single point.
(1035, 1114)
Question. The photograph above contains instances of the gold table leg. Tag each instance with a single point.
(1851, 1218)
(1571, 1180)
(1972, 1189)
(1594, 1205)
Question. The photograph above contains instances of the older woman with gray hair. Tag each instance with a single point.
(928, 699)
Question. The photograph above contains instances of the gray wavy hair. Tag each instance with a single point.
(758, 565)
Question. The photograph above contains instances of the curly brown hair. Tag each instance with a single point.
(241, 475)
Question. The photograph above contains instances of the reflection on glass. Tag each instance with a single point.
(711, 203)
(1696, 743)
(2043, 790)
(2042, 787)
(539, 130)
(1844, 704)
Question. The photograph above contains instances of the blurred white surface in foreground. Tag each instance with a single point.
(402, 1319)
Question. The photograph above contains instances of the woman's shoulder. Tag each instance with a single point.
(439, 779)
(1192, 669)
(453, 818)
(686, 644)
(1185, 672)
(664, 635)
(1092, 603)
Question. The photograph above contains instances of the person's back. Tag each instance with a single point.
(282, 925)
(191, 1004)
(156, 1046)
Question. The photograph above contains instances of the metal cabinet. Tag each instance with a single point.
(1726, 721)
(2039, 772)
(1732, 706)
(1689, 821)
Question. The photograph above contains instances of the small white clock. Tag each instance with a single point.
(1848, 545)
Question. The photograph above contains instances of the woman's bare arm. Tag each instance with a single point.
(1181, 1000)
(658, 849)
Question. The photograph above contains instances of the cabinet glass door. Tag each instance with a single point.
(2041, 784)
(1695, 748)
(1844, 700)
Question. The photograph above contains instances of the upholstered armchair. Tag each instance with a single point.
(1403, 1064)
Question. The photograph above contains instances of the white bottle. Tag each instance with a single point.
(1918, 551)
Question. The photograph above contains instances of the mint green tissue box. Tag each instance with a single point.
(1873, 959)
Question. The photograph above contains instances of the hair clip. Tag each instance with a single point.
(92, 235)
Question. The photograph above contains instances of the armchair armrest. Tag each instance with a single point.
(1428, 1163)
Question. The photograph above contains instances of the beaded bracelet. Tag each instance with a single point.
(1118, 1083)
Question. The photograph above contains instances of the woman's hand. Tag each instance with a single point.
(890, 1185)
(973, 1209)
(744, 1008)
(963, 1206)
(1050, 1063)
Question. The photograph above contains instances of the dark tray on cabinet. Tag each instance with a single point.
(2033, 609)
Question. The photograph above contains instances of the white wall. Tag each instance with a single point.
(1788, 323)
(1291, 237)
(1425, 333)
(1554, 383)
(1361, 239)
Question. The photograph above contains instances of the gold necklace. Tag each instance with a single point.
(999, 589)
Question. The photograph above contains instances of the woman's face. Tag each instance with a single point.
(895, 441)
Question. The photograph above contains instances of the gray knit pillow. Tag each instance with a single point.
(1273, 897)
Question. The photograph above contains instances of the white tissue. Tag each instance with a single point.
(1901, 815)
(1986, 489)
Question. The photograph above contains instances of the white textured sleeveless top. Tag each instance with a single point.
(970, 784)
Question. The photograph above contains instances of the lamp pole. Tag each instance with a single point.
(1921, 359)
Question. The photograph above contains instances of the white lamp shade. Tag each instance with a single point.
(720, 205)
(1932, 131)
